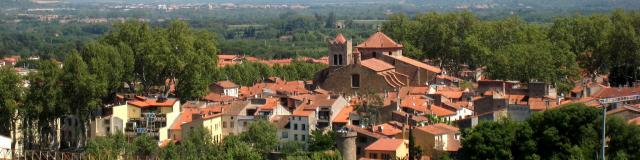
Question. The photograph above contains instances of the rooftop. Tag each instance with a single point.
(386, 145)
(439, 129)
(379, 40)
(376, 65)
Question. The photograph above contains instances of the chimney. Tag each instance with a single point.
(309, 101)
(381, 128)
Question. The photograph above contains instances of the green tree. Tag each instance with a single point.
(44, 103)
(262, 135)
(78, 86)
(319, 141)
(11, 94)
(144, 145)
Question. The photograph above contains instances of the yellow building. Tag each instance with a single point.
(387, 149)
(141, 115)
(211, 123)
(437, 137)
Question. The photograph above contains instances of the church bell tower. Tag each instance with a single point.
(340, 51)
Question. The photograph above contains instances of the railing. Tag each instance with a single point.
(5, 154)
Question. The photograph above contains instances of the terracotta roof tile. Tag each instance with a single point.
(216, 97)
(143, 103)
(340, 38)
(635, 121)
(439, 129)
(417, 64)
(379, 40)
(343, 116)
(227, 84)
(376, 65)
(386, 145)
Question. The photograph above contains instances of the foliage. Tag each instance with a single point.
(262, 135)
(319, 141)
(248, 73)
(569, 132)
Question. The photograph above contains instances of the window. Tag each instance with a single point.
(295, 126)
(231, 124)
(303, 127)
(224, 124)
(295, 137)
(375, 54)
(335, 59)
(285, 135)
(340, 60)
(244, 123)
(385, 156)
(373, 155)
(355, 81)
(304, 137)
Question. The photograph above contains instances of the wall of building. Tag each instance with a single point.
(370, 81)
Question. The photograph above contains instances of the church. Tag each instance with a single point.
(373, 66)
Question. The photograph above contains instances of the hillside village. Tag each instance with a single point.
(370, 95)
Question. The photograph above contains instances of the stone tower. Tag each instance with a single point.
(347, 144)
(340, 51)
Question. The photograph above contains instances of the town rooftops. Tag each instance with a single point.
(439, 129)
(379, 40)
(144, 102)
(387, 145)
(635, 121)
(376, 65)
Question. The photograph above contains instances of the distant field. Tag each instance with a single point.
(243, 26)
(369, 21)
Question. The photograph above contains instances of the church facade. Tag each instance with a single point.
(373, 66)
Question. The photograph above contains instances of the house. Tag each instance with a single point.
(388, 149)
(212, 123)
(437, 137)
(226, 88)
(376, 63)
(206, 115)
(142, 115)
(235, 119)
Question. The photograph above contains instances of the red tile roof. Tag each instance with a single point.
(146, 102)
(216, 97)
(635, 121)
(343, 116)
(450, 94)
(376, 65)
(439, 129)
(340, 38)
(226, 84)
(441, 112)
(386, 145)
(417, 64)
(387, 129)
(616, 92)
(379, 40)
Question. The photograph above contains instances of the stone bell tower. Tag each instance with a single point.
(340, 51)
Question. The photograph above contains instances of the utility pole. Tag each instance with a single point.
(604, 128)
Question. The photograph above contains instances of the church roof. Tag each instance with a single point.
(417, 64)
(379, 40)
(340, 38)
(376, 65)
